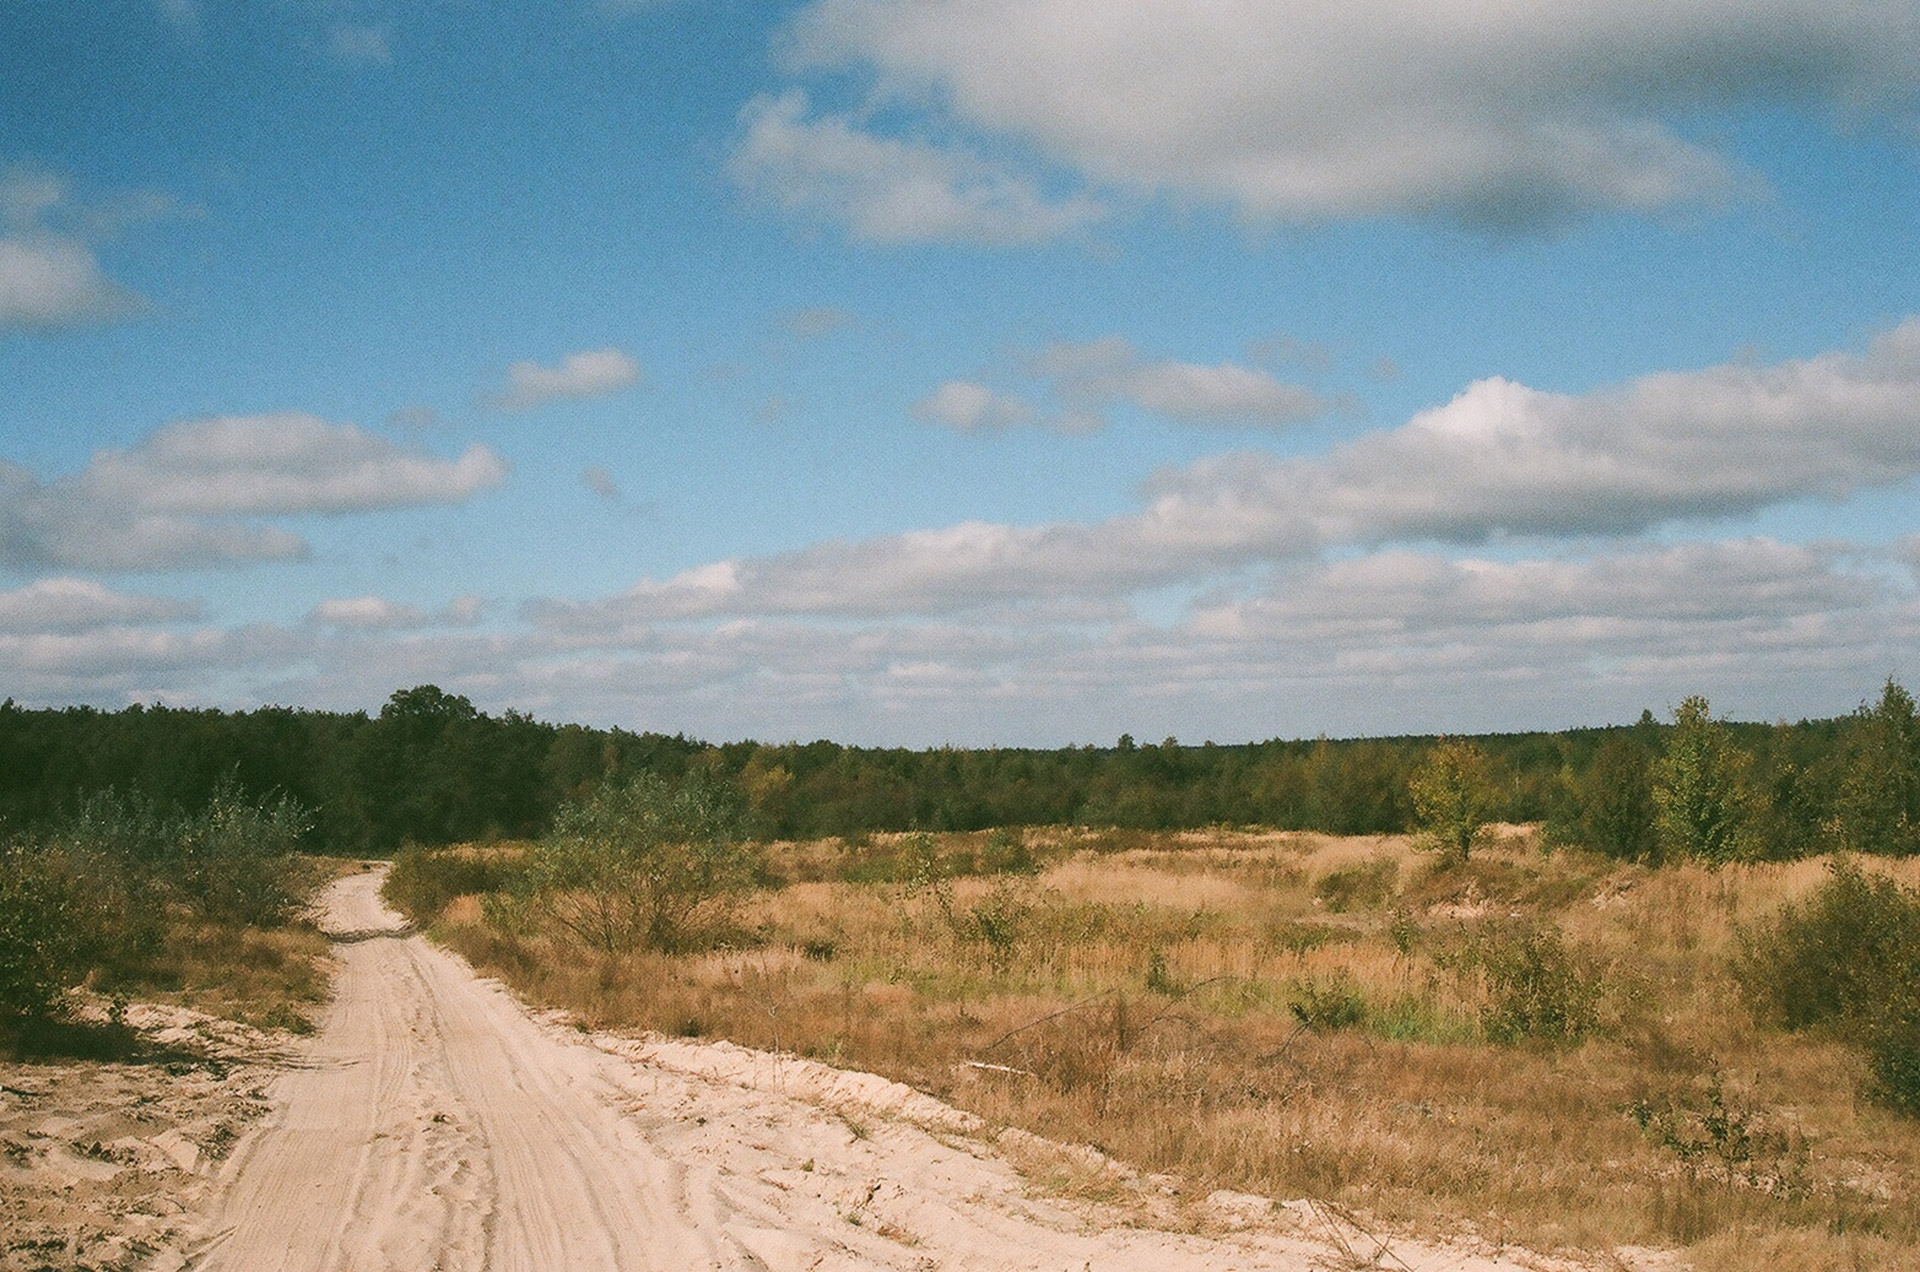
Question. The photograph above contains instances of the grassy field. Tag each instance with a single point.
(1551, 1049)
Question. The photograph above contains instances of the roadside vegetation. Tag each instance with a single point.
(121, 900)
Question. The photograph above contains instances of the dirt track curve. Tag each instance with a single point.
(435, 1124)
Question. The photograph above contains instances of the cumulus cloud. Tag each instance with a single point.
(50, 277)
(1432, 598)
(1382, 642)
(110, 660)
(1093, 375)
(69, 604)
(595, 373)
(177, 498)
(1505, 458)
(1087, 378)
(889, 190)
(972, 408)
(49, 282)
(1502, 116)
(1500, 459)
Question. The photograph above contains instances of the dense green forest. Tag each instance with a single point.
(430, 769)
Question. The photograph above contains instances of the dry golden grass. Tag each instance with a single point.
(1149, 1001)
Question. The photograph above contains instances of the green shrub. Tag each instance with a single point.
(424, 881)
(1712, 1136)
(1452, 797)
(1536, 987)
(233, 860)
(1366, 886)
(645, 862)
(43, 947)
(1007, 853)
(1848, 960)
(1336, 1004)
(1702, 793)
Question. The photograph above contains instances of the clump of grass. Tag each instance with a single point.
(1366, 886)
(1333, 1004)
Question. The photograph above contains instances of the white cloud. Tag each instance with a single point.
(184, 14)
(375, 613)
(1382, 643)
(1504, 115)
(1093, 375)
(1435, 599)
(1504, 458)
(69, 604)
(595, 373)
(1088, 378)
(1499, 459)
(173, 500)
(47, 281)
(349, 42)
(65, 665)
(888, 190)
(50, 275)
(1391, 642)
(972, 408)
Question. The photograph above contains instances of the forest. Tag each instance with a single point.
(430, 769)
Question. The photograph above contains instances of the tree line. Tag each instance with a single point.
(429, 768)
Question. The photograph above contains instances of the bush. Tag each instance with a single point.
(644, 862)
(233, 860)
(1337, 1004)
(1702, 797)
(1847, 960)
(43, 947)
(423, 881)
(1536, 987)
(1007, 853)
(1366, 886)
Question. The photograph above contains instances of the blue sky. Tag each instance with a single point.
(914, 372)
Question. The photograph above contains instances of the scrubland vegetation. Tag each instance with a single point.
(121, 900)
(1552, 1047)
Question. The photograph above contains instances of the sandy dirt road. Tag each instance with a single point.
(436, 1124)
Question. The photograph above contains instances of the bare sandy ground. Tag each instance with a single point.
(434, 1123)
(104, 1166)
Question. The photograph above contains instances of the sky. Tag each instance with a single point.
(927, 372)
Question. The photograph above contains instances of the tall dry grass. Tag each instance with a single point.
(1301, 1014)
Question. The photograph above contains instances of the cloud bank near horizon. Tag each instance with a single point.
(1500, 460)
